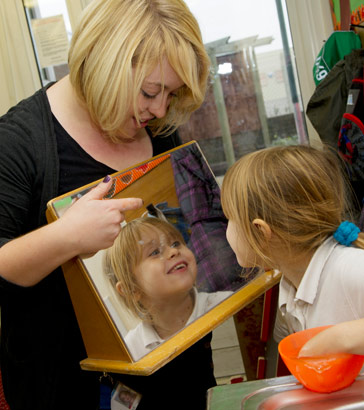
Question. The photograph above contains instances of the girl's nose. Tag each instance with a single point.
(172, 252)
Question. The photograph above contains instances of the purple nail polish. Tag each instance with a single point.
(106, 179)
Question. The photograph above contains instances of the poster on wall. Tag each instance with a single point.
(356, 12)
(51, 40)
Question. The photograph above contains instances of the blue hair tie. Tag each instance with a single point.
(346, 233)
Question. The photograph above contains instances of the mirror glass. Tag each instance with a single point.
(179, 187)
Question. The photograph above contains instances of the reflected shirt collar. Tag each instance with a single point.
(150, 336)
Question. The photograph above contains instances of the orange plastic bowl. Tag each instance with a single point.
(322, 374)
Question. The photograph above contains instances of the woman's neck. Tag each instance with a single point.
(72, 114)
(69, 110)
(169, 317)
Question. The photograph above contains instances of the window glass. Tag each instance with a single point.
(253, 100)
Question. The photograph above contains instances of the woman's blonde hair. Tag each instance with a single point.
(121, 260)
(117, 45)
(299, 191)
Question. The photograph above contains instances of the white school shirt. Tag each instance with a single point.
(331, 291)
(144, 338)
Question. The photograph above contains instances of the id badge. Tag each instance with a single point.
(124, 398)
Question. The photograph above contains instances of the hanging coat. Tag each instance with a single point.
(199, 197)
(328, 103)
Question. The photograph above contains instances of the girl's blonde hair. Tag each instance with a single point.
(299, 191)
(121, 260)
(117, 45)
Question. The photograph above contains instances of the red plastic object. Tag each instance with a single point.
(322, 374)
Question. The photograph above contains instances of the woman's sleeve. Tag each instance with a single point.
(18, 207)
(17, 182)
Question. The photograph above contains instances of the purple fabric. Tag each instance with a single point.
(199, 197)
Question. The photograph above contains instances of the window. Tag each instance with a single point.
(253, 100)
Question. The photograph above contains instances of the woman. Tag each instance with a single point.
(138, 68)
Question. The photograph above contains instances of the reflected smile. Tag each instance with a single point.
(178, 267)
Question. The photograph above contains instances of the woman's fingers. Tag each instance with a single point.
(92, 222)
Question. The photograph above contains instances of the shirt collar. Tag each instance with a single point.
(150, 336)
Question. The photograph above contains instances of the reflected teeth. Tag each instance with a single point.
(179, 266)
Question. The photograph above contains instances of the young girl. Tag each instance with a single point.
(155, 274)
(286, 207)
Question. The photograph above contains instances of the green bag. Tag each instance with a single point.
(336, 47)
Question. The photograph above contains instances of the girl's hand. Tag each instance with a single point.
(345, 337)
(317, 346)
(92, 223)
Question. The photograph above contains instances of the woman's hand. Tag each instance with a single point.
(89, 225)
(92, 223)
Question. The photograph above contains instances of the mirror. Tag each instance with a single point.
(177, 186)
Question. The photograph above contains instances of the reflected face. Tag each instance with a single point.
(154, 99)
(238, 243)
(167, 269)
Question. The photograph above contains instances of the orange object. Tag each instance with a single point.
(323, 374)
(121, 181)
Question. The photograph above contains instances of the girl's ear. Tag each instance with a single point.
(121, 291)
(119, 288)
(263, 227)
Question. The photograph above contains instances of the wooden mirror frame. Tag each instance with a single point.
(105, 346)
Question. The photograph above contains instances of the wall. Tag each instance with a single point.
(18, 71)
